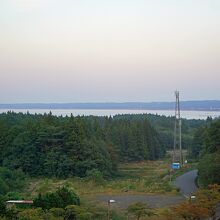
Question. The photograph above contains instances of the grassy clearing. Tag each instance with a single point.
(148, 177)
(134, 178)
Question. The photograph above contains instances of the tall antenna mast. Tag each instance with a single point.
(177, 132)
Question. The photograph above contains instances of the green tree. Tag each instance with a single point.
(11, 180)
(209, 167)
(59, 199)
(2, 206)
(213, 137)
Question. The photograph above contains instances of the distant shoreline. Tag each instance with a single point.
(192, 114)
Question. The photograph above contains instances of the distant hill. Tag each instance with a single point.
(207, 105)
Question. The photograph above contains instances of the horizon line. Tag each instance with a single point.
(109, 102)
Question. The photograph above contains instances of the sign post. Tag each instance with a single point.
(109, 206)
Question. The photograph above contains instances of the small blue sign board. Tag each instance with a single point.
(176, 166)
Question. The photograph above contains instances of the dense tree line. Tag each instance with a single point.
(165, 128)
(62, 204)
(207, 148)
(47, 145)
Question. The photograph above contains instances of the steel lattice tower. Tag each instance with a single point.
(177, 132)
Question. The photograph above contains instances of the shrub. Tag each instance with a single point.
(76, 212)
(59, 199)
(57, 212)
(31, 214)
(2, 206)
(140, 209)
(95, 175)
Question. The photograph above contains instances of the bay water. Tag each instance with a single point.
(112, 112)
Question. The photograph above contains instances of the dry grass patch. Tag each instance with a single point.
(134, 178)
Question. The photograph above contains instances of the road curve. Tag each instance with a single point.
(187, 183)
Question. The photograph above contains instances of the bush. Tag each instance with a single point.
(167, 187)
(31, 214)
(2, 206)
(12, 213)
(76, 212)
(57, 212)
(3, 187)
(59, 199)
(140, 209)
(95, 175)
(13, 196)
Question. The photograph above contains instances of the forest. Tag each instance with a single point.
(46, 145)
(206, 148)
(34, 147)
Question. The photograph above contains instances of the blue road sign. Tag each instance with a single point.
(176, 166)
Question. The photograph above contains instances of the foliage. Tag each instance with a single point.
(83, 213)
(209, 169)
(198, 144)
(164, 127)
(213, 137)
(140, 209)
(209, 198)
(2, 206)
(11, 180)
(57, 212)
(59, 199)
(70, 212)
(95, 176)
(31, 214)
(13, 196)
(202, 207)
(12, 213)
(76, 212)
(71, 146)
(191, 211)
(207, 146)
(116, 215)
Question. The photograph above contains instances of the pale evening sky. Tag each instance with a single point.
(109, 50)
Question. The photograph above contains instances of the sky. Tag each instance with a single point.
(109, 50)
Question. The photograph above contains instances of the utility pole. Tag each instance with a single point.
(177, 131)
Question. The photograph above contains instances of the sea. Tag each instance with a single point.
(112, 112)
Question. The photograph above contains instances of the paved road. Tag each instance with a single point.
(154, 201)
(187, 183)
